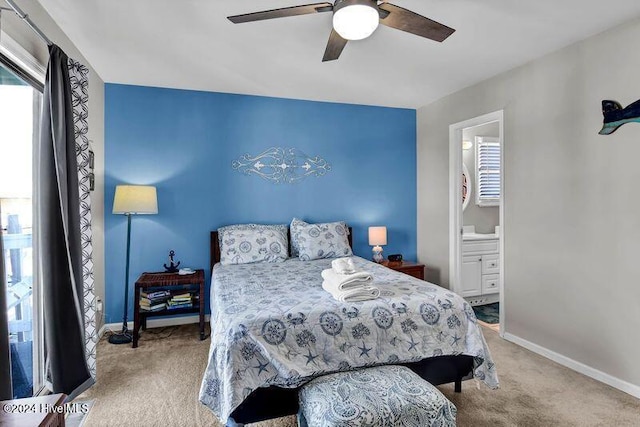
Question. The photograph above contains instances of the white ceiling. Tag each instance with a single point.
(190, 44)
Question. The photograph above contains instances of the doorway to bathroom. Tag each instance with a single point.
(476, 220)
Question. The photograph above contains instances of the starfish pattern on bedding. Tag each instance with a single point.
(262, 367)
(413, 344)
(310, 357)
(456, 338)
(364, 351)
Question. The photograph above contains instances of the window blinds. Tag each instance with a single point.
(488, 172)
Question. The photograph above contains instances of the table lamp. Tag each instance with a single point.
(377, 239)
(131, 200)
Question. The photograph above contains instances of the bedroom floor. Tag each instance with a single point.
(157, 384)
(489, 315)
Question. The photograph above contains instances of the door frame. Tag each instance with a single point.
(455, 205)
(23, 63)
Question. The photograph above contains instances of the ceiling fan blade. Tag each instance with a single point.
(282, 13)
(406, 20)
(334, 47)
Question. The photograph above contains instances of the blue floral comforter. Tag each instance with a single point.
(273, 324)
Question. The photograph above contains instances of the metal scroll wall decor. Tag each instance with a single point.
(616, 116)
(281, 165)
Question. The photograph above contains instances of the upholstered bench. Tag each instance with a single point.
(382, 396)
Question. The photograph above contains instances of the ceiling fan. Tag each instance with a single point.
(357, 20)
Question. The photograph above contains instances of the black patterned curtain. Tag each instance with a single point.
(60, 245)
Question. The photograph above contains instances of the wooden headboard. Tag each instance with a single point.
(215, 245)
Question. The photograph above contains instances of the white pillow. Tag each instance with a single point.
(250, 243)
(315, 241)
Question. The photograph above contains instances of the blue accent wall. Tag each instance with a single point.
(184, 142)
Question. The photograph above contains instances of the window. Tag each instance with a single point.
(487, 171)
(20, 104)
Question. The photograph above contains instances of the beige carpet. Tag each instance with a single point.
(157, 384)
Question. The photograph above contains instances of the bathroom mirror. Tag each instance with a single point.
(466, 187)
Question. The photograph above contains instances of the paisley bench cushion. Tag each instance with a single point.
(382, 396)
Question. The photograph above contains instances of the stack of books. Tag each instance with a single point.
(180, 301)
(154, 301)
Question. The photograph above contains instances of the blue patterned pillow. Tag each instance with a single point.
(249, 243)
(315, 241)
(295, 249)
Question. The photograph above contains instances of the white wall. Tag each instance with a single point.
(484, 218)
(572, 212)
(21, 33)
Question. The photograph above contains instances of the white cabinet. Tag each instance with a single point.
(490, 264)
(490, 283)
(471, 276)
(480, 267)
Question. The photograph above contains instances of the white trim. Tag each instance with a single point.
(22, 57)
(455, 205)
(501, 224)
(455, 212)
(627, 387)
(155, 323)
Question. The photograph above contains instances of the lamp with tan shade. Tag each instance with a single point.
(131, 200)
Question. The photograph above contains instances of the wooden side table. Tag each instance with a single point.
(407, 267)
(167, 280)
(42, 411)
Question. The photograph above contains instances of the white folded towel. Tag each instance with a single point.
(347, 281)
(364, 293)
(344, 266)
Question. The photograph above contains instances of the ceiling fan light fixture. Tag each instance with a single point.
(355, 19)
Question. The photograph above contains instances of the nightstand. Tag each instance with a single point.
(194, 283)
(407, 267)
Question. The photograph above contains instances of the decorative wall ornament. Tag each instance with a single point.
(282, 165)
(616, 116)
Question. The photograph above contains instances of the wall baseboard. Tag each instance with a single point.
(627, 387)
(155, 323)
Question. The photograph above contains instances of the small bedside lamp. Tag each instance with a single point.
(377, 238)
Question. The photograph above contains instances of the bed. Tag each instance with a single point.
(273, 328)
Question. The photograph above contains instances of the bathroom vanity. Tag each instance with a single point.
(480, 267)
